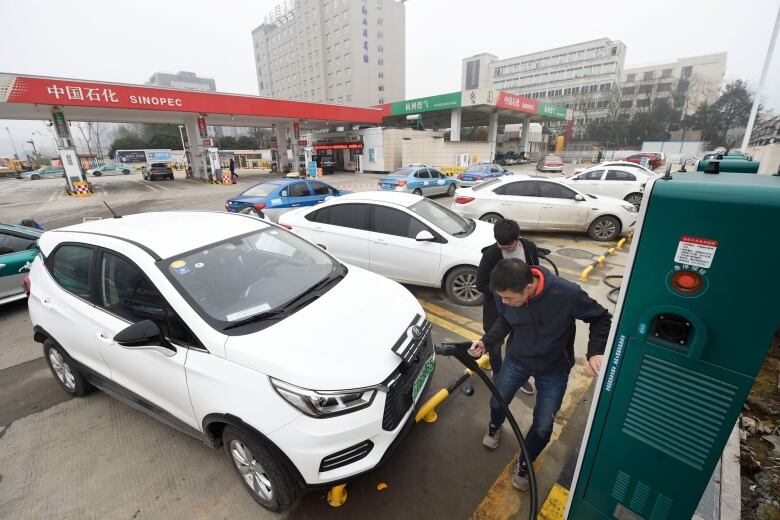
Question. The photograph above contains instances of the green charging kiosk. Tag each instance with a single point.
(699, 306)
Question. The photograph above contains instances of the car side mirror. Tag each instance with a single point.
(425, 236)
(144, 335)
(579, 198)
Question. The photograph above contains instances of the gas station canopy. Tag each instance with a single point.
(31, 97)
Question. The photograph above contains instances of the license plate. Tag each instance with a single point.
(422, 379)
(387, 187)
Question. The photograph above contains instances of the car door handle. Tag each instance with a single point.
(46, 302)
(295, 205)
(102, 336)
(381, 241)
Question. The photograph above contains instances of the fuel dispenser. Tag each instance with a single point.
(211, 160)
(691, 329)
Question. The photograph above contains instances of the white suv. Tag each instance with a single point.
(238, 333)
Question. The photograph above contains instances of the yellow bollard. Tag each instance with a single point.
(600, 260)
(585, 273)
(620, 243)
(611, 251)
(427, 411)
(337, 495)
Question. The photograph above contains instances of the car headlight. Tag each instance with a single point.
(321, 404)
(630, 208)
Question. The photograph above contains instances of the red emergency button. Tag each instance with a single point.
(686, 282)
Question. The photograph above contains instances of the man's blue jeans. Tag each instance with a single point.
(550, 389)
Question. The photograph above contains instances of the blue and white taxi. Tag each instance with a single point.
(420, 180)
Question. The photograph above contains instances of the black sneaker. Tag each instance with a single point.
(491, 438)
(528, 388)
(520, 477)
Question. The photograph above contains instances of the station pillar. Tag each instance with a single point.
(195, 146)
(455, 120)
(281, 143)
(492, 134)
(524, 136)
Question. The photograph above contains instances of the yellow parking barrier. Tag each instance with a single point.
(337, 495)
(427, 411)
(600, 260)
(585, 273)
(611, 251)
(620, 243)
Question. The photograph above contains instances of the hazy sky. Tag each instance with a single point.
(129, 41)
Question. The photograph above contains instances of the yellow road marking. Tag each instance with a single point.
(457, 329)
(555, 505)
(448, 315)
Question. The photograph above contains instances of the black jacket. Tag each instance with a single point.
(543, 329)
(491, 255)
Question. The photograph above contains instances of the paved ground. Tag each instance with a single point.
(97, 458)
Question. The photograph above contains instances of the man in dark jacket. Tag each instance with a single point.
(509, 244)
(540, 310)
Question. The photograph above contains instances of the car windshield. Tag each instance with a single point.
(402, 172)
(244, 277)
(159, 165)
(261, 190)
(484, 184)
(441, 217)
(475, 168)
(552, 158)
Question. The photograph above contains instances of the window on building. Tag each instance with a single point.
(624, 117)
(645, 89)
(682, 85)
(648, 75)
(379, 21)
(628, 91)
(631, 77)
(686, 71)
(626, 104)
(601, 104)
(642, 103)
(347, 71)
(380, 62)
(665, 87)
(666, 73)
(605, 87)
(381, 88)
(379, 48)
(380, 75)
(381, 100)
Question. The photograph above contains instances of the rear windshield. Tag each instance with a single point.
(552, 158)
(402, 172)
(476, 168)
(159, 165)
(260, 190)
(485, 184)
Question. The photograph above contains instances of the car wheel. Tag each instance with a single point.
(268, 481)
(451, 190)
(461, 286)
(634, 198)
(34, 177)
(170, 177)
(126, 172)
(64, 370)
(249, 210)
(491, 218)
(96, 174)
(604, 228)
(417, 191)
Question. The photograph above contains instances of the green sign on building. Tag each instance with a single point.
(550, 110)
(426, 104)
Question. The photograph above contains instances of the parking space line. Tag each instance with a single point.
(161, 187)
(457, 329)
(146, 186)
(451, 316)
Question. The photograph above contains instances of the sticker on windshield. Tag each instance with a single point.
(178, 264)
(248, 312)
(199, 265)
(182, 270)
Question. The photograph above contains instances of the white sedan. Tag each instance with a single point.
(539, 203)
(620, 182)
(402, 236)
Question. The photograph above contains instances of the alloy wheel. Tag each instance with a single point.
(62, 369)
(251, 471)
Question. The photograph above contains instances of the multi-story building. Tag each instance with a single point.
(333, 51)
(582, 77)
(685, 84)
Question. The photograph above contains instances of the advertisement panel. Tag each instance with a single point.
(518, 103)
(426, 104)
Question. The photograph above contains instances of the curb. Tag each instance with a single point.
(731, 479)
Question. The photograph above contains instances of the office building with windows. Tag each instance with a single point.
(581, 77)
(332, 51)
(685, 84)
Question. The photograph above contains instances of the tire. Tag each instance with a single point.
(126, 172)
(35, 177)
(417, 191)
(249, 210)
(170, 177)
(461, 286)
(634, 198)
(451, 190)
(491, 218)
(271, 486)
(96, 174)
(64, 370)
(604, 228)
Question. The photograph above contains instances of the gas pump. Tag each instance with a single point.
(211, 159)
(75, 180)
(692, 326)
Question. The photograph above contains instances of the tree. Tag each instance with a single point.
(722, 123)
(126, 140)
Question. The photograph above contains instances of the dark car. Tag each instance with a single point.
(158, 171)
(654, 160)
(328, 166)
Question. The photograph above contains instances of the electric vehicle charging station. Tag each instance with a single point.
(691, 329)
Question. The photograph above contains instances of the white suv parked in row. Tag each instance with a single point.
(239, 333)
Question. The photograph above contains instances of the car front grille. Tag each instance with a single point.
(401, 381)
(346, 456)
